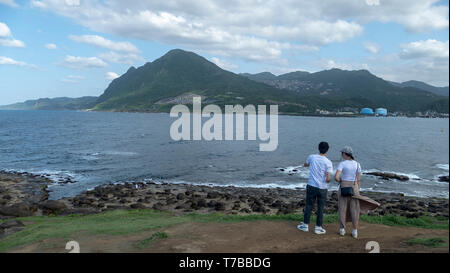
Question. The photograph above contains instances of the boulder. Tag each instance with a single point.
(181, 196)
(443, 178)
(7, 197)
(202, 203)
(212, 195)
(10, 224)
(219, 206)
(245, 210)
(158, 206)
(52, 207)
(137, 206)
(18, 210)
(388, 176)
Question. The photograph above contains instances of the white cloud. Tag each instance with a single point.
(9, 61)
(372, 47)
(330, 64)
(38, 4)
(83, 62)
(425, 49)
(4, 30)
(111, 76)
(51, 46)
(10, 3)
(99, 41)
(425, 60)
(322, 32)
(73, 2)
(69, 81)
(12, 43)
(373, 2)
(6, 38)
(223, 64)
(78, 77)
(114, 57)
(252, 30)
(72, 79)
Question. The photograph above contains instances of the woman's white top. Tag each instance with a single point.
(349, 168)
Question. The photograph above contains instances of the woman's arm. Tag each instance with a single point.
(358, 179)
(337, 176)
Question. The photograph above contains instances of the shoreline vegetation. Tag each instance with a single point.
(27, 215)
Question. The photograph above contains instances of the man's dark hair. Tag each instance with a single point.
(323, 147)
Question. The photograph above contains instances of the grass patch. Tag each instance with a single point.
(429, 242)
(218, 217)
(155, 236)
(426, 222)
(121, 222)
(117, 222)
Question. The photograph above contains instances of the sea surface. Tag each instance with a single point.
(93, 148)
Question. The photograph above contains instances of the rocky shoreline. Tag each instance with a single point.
(24, 194)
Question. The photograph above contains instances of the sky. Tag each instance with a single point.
(74, 48)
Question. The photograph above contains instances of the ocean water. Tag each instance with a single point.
(94, 148)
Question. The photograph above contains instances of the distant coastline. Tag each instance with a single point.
(432, 115)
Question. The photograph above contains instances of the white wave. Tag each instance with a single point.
(299, 171)
(90, 157)
(442, 167)
(118, 153)
(56, 177)
(241, 184)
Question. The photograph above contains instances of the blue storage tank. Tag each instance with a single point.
(381, 111)
(367, 111)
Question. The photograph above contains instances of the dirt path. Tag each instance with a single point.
(254, 236)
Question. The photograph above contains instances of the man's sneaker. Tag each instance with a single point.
(319, 230)
(303, 227)
(355, 233)
(342, 231)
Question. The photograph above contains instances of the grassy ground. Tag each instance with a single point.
(429, 242)
(121, 222)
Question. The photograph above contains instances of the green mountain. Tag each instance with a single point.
(443, 91)
(62, 103)
(336, 88)
(179, 75)
(260, 77)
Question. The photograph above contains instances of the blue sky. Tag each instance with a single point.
(55, 48)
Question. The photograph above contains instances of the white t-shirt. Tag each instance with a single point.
(319, 166)
(349, 169)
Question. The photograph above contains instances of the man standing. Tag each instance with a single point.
(320, 169)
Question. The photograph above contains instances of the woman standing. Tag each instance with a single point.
(348, 174)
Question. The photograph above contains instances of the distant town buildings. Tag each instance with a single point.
(381, 112)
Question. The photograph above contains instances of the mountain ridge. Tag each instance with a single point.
(58, 103)
(156, 86)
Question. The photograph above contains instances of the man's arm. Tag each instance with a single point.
(307, 162)
(328, 177)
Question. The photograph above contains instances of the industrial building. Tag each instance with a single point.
(381, 111)
(367, 111)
